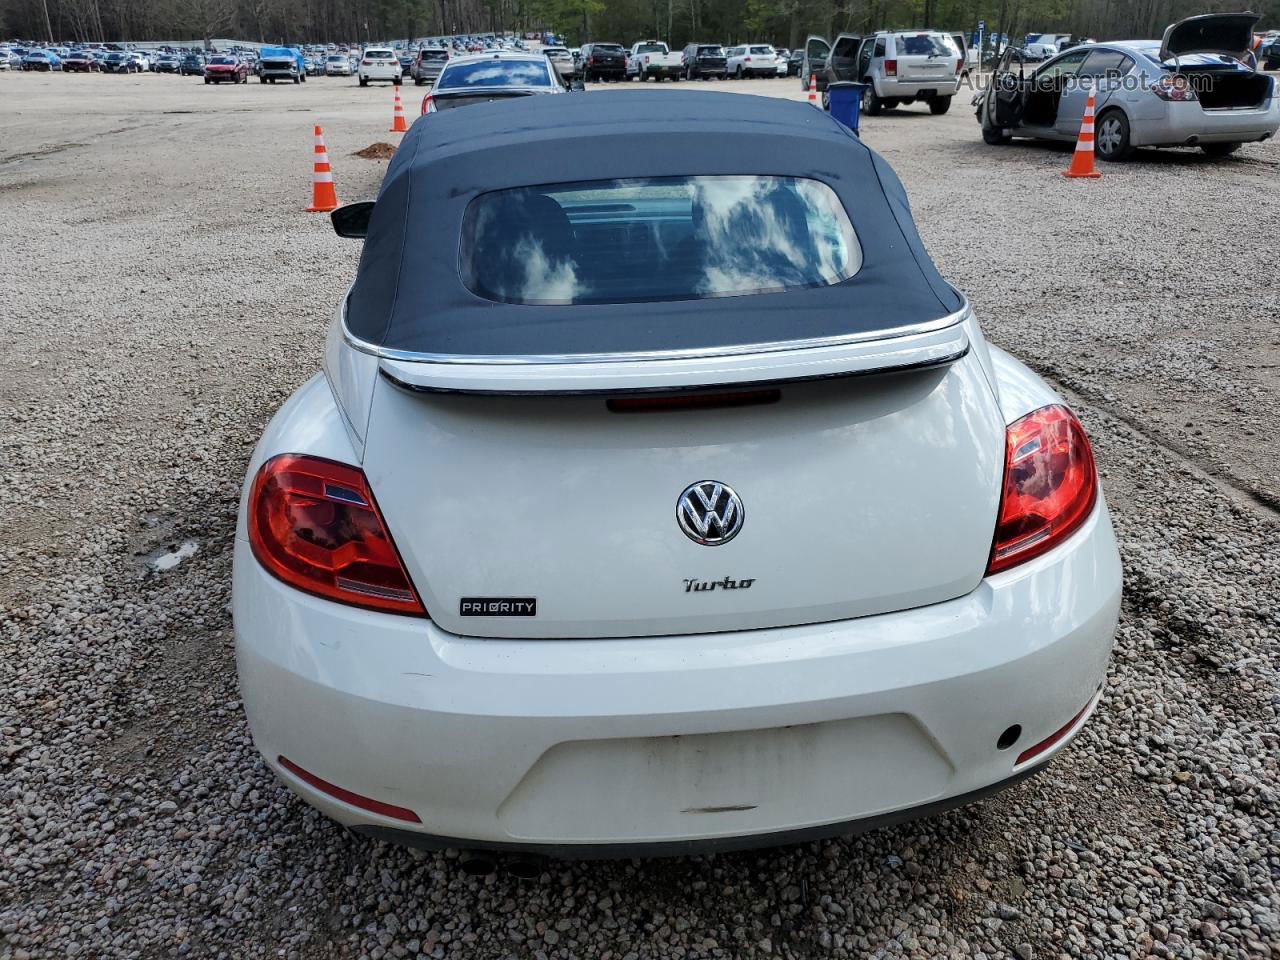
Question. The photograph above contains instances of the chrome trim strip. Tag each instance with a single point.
(717, 387)
(777, 346)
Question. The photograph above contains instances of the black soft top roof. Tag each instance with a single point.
(409, 296)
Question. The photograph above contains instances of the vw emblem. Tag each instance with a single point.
(709, 513)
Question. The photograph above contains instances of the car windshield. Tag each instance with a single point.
(337, 59)
(435, 56)
(608, 48)
(711, 51)
(223, 61)
(494, 73)
(925, 45)
(651, 48)
(762, 49)
(670, 238)
(378, 55)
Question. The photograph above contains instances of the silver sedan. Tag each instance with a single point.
(1190, 89)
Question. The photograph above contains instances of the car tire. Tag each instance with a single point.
(418, 81)
(826, 101)
(994, 136)
(1220, 149)
(395, 82)
(364, 81)
(262, 79)
(871, 104)
(207, 81)
(939, 105)
(1111, 140)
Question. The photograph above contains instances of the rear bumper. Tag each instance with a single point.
(1179, 124)
(944, 86)
(673, 744)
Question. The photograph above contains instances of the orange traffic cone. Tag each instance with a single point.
(813, 89)
(397, 119)
(1082, 159)
(323, 197)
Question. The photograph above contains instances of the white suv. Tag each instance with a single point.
(379, 63)
(752, 60)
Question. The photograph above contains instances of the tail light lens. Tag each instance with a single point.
(891, 68)
(959, 66)
(1174, 87)
(428, 105)
(746, 59)
(366, 62)
(1050, 485)
(313, 523)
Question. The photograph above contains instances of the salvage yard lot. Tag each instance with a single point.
(163, 293)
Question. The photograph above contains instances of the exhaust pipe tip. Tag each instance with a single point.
(525, 867)
(477, 865)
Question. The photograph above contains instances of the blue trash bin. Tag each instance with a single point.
(844, 99)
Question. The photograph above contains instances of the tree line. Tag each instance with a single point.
(781, 22)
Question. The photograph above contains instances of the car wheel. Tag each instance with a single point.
(262, 79)
(826, 101)
(871, 104)
(395, 82)
(364, 82)
(738, 74)
(1219, 149)
(939, 105)
(206, 80)
(995, 136)
(417, 81)
(1111, 141)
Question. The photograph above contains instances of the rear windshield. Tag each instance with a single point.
(925, 45)
(377, 55)
(651, 48)
(670, 238)
(494, 73)
(608, 48)
(435, 56)
(711, 51)
(762, 49)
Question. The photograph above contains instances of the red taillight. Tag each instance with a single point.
(1050, 485)
(591, 60)
(1039, 748)
(891, 68)
(959, 66)
(314, 524)
(746, 59)
(366, 62)
(346, 796)
(428, 105)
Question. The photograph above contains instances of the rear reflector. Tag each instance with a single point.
(654, 403)
(1033, 752)
(346, 796)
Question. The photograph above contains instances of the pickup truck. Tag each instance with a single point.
(281, 63)
(653, 58)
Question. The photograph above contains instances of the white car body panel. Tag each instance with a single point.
(379, 69)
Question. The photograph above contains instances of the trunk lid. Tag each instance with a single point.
(858, 496)
(446, 101)
(1229, 34)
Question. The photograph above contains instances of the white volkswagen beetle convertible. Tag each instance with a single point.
(658, 494)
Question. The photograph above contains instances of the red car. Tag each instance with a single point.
(225, 69)
(80, 61)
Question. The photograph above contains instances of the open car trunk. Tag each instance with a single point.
(1228, 90)
(860, 495)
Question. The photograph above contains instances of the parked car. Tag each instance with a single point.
(653, 60)
(1269, 52)
(855, 567)
(794, 62)
(142, 59)
(604, 61)
(897, 68)
(166, 63)
(481, 78)
(118, 61)
(752, 60)
(191, 65)
(6, 58)
(783, 55)
(337, 65)
(428, 64)
(1189, 89)
(379, 63)
(80, 61)
(41, 60)
(1034, 52)
(562, 60)
(281, 63)
(704, 61)
(225, 69)
(315, 67)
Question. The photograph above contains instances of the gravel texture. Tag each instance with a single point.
(163, 293)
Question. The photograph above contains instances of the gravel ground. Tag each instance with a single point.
(163, 293)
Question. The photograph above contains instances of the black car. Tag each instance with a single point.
(116, 62)
(1269, 53)
(704, 60)
(794, 60)
(192, 65)
(603, 61)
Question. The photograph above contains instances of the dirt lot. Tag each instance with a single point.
(163, 292)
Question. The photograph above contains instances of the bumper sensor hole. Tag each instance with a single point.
(1009, 737)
